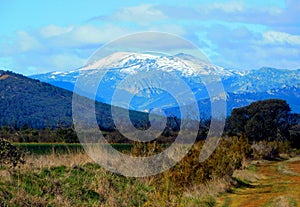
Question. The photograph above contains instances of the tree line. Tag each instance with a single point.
(268, 120)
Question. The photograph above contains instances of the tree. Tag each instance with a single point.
(295, 130)
(261, 120)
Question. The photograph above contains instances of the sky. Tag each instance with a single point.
(42, 36)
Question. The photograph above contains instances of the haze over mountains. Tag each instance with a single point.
(241, 87)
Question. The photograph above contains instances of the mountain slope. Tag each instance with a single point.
(31, 103)
(262, 80)
(147, 89)
(24, 101)
(241, 88)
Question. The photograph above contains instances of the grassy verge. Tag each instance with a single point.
(61, 148)
(74, 180)
(71, 178)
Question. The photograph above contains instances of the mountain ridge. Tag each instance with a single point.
(248, 86)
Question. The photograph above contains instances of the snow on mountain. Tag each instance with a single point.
(132, 63)
(242, 87)
(262, 80)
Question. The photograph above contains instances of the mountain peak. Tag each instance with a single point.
(244, 86)
(115, 59)
(132, 63)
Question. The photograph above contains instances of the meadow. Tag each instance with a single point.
(62, 148)
(63, 175)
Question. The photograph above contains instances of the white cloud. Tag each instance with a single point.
(85, 35)
(31, 63)
(277, 56)
(26, 42)
(55, 47)
(53, 30)
(228, 6)
(143, 14)
(90, 34)
(275, 37)
(151, 41)
(170, 28)
(21, 42)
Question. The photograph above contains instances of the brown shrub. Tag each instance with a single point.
(230, 154)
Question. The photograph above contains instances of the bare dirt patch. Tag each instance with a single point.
(277, 185)
(4, 77)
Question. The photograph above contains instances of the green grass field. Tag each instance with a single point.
(62, 174)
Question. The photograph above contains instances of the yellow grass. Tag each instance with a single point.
(53, 160)
(273, 184)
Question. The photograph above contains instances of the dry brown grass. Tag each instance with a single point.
(248, 176)
(281, 201)
(211, 188)
(5, 176)
(53, 160)
(113, 189)
(73, 179)
(272, 184)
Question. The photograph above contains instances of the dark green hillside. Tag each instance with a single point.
(28, 103)
(29, 108)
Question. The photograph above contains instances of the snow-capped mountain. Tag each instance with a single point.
(132, 63)
(129, 73)
(262, 80)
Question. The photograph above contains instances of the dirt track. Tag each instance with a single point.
(278, 185)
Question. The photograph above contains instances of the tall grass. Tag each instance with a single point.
(73, 179)
(62, 148)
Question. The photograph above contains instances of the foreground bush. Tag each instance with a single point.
(230, 154)
(189, 173)
(9, 154)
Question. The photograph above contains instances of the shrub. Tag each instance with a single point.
(230, 154)
(10, 155)
(269, 150)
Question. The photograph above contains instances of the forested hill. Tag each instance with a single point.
(25, 102)
(28, 102)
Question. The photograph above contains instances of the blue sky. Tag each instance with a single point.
(42, 36)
